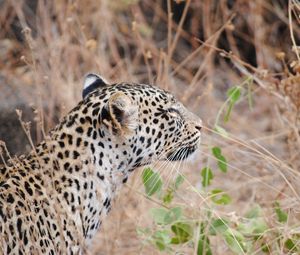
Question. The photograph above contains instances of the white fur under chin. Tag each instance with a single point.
(193, 156)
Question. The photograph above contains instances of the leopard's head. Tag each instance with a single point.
(142, 121)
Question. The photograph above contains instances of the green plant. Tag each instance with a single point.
(179, 227)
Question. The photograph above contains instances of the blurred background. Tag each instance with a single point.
(198, 50)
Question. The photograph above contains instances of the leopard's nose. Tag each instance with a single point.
(198, 124)
(198, 127)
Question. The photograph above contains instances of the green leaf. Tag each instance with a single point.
(183, 232)
(204, 246)
(254, 226)
(161, 239)
(173, 215)
(222, 162)
(234, 94)
(160, 245)
(218, 226)
(216, 151)
(258, 226)
(281, 215)
(168, 197)
(265, 248)
(290, 245)
(158, 215)
(207, 176)
(179, 180)
(235, 241)
(152, 181)
(163, 216)
(254, 212)
(221, 131)
(219, 197)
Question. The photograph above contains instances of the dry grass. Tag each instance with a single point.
(196, 49)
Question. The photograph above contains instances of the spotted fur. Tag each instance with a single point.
(54, 200)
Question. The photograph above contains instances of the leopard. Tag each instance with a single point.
(54, 199)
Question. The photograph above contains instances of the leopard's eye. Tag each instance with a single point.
(173, 100)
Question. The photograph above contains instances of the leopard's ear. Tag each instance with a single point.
(120, 115)
(92, 82)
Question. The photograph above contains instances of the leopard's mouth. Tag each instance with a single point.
(182, 153)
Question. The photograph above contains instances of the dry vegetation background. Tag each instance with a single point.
(195, 48)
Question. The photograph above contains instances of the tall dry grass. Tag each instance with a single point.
(196, 49)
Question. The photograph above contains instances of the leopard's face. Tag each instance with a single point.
(166, 129)
(146, 120)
